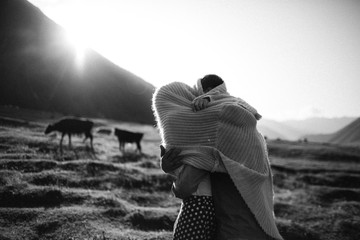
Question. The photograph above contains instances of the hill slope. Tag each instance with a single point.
(315, 129)
(348, 135)
(274, 129)
(38, 70)
(319, 125)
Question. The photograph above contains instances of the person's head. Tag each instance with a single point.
(210, 81)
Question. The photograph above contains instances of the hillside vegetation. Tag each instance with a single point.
(111, 195)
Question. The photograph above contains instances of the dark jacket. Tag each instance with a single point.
(234, 219)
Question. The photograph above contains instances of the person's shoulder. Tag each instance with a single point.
(174, 85)
(178, 88)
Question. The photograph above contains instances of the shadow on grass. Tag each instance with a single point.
(34, 198)
(150, 222)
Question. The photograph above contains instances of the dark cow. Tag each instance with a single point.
(128, 137)
(71, 126)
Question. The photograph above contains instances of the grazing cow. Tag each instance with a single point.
(128, 137)
(72, 126)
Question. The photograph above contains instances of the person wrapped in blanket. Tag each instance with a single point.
(206, 162)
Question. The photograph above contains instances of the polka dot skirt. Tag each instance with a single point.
(196, 219)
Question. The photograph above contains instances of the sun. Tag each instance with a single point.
(79, 42)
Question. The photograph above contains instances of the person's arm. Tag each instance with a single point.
(188, 181)
(209, 164)
(189, 177)
(170, 159)
(251, 109)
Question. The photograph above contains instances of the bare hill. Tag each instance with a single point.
(274, 129)
(38, 70)
(322, 138)
(269, 132)
(319, 125)
(348, 135)
(314, 129)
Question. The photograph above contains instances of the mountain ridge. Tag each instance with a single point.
(317, 129)
(348, 135)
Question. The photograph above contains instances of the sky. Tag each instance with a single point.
(290, 59)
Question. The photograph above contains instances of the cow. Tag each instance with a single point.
(71, 126)
(128, 137)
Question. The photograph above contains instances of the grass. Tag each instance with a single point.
(113, 195)
(317, 151)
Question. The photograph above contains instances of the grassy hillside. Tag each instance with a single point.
(111, 195)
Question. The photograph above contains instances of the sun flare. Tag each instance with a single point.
(79, 43)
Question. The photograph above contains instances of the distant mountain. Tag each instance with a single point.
(348, 135)
(38, 70)
(274, 129)
(322, 138)
(269, 133)
(316, 129)
(319, 125)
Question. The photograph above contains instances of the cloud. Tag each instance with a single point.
(310, 112)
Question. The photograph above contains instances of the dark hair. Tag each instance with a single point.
(211, 81)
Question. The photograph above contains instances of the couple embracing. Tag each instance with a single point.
(210, 143)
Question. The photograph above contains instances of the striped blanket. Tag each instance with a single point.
(228, 126)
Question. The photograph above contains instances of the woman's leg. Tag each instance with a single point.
(196, 219)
